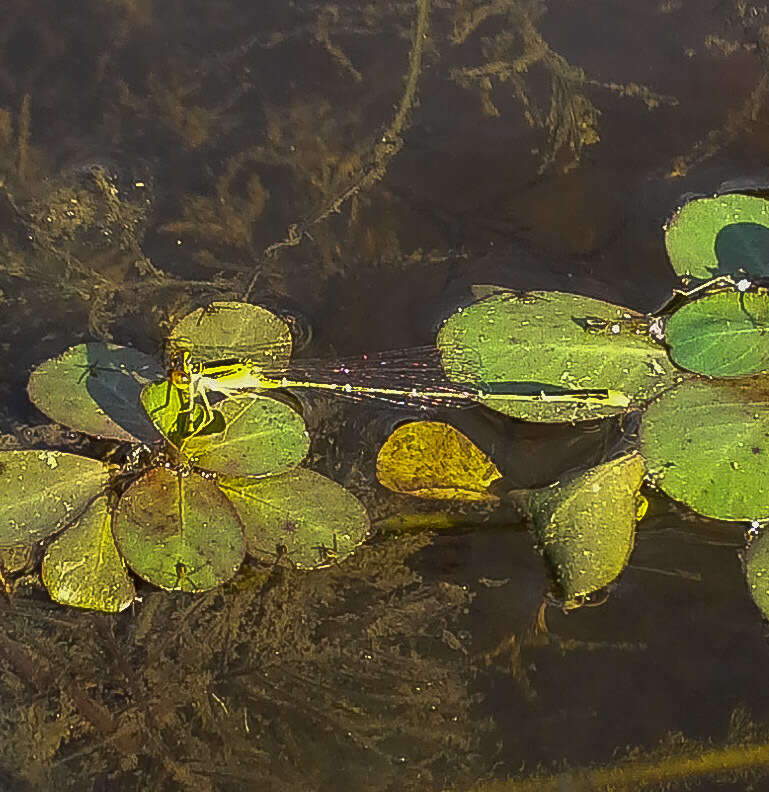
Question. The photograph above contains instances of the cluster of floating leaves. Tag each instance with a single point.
(697, 370)
(183, 508)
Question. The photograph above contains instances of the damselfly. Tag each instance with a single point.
(411, 377)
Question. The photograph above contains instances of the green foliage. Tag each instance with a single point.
(229, 329)
(721, 335)
(94, 388)
(757, 570)
(725, 235)
(179, 531)
(706, 443)
(554, 341)
(83, 567)
(584, 526)
(310, 518)
(260, 437)
(171, 523)
(42, 492)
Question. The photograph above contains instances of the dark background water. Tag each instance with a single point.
(152, 156)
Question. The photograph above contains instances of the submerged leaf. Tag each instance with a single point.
(261, 436)
(585, 526)
(725, 235)
(83, 568)
(707, 444)
(94, 388)
(42, 491)
(430, 459)
(306, 517)
(225, 329)
(721, 335)
(552, 341)
(179, 531)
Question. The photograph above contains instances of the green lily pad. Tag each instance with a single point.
(261, 436)
(42, 491)
(551, 341)
(234, 329)
(314, 520)
(725, 235)
(757, 571)
(706, 443)
(83, 568)
(721, 335)
(94, 388)
(179, 531)
(585, 526)
(166, 407)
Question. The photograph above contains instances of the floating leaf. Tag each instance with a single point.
(166, 407)
(313, 519)
(95, 389)
(721, 335)
(179, 531)
(83, 568)
(706, 443)
(551, 341)
(261, 436)
(725, 235)
(42, 491)
(430, 459)
(233, 329)
(757, 570)
(585, 526)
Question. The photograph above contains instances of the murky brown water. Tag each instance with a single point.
(359, 178)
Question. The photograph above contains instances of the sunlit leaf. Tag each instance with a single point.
(167, 408)
(725, 235)
(707, 444)
(179, 531)
(430, 459)
(42, 491)
(231, 329)
(83, 568)
(95, 389)
(757, 570)
(312, 519)
(585, 526)
(261, 436)
(721, 335)
(551, 341)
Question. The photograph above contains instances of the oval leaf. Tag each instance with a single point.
(94, 388)
(166, 407)
(585, 526)
(234, 329)
(83, 568)
(430, 459)
(312, 519)
(42, 491)
(706, 443)
(551, 341)
(757, 571)
(725, 235)
(721, 335)
(261, 436)
(179, 531)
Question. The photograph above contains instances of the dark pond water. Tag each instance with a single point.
(357, 167)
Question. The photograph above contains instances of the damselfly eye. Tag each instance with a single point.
(180, 378)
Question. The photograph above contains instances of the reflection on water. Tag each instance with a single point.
(361, 166)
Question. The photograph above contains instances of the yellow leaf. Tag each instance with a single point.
(430, 459)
